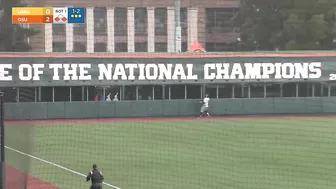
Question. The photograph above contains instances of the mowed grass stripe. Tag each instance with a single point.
(259, 154)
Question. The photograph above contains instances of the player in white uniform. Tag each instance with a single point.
(205, 107)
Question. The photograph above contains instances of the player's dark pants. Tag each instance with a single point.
(96, 186)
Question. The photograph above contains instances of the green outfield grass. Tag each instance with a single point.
(206, 154)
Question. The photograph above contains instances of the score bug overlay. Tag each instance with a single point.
(76, 15)
(48, 15)
(60, 16)
(31, 15)
(40, 15)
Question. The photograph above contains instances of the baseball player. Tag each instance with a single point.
(205, 106)
(96, 178)
(116, 97)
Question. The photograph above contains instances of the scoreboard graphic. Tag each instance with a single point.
(76, 15)
(58, 15)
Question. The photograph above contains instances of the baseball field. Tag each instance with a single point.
(211, 153)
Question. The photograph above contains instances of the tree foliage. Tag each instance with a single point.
(13, 38)
(287, 24)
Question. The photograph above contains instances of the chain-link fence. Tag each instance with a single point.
(216, 154)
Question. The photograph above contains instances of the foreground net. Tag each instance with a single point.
(290, 153)
(170, 153)
(16, 174)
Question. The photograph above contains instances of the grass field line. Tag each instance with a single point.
(55, 165)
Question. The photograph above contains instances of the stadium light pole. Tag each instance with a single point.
(178, 31)
(6, 25)
(2, 141)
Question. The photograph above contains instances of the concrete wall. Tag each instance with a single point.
(163, 108)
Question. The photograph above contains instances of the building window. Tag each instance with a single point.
(211, 90)
(273, 90)
(332, 89)
(79, 47)
(194, 91)
(27, 94)
(61, 94)
(160, 21)
(76, 93)
(46, 94)
(225, 91)
(257, 90)
(131, 92)
(112, 91)
(158, 92)
(145, 92)
(161, 47)
(120, 22)
(94, 93)
(59, 47)
(184, 21)
(289, 90)
(246, 91)
(177, 91)
(10, 94)
(100, 20)
(140, 21)
(184, 47)
(305, 90)
(321, 89)
(100, 47)
(58, 29)
(79, 29)
(121, 47)
(140, 47)
(241, 90)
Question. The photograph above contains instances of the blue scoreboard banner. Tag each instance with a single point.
(76, 15)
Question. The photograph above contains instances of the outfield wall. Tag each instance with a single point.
(165, 108)
(65, 70)
(36, 70)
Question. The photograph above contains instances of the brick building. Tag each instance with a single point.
(138, 26)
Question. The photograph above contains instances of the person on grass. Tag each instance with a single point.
(96, 178)
(205, 106)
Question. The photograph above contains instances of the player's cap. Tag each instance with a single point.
(94, 166)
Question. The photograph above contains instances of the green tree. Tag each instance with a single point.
(13, 38)
(287, 24)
